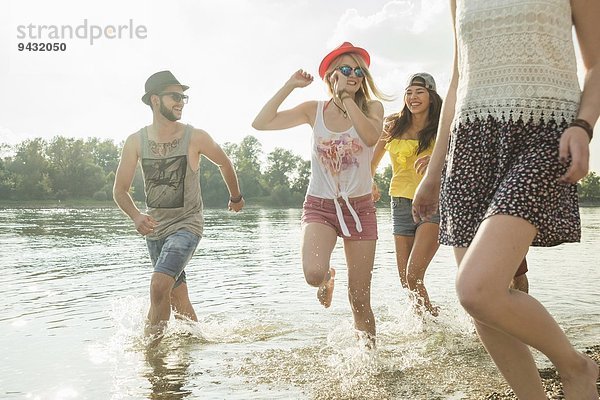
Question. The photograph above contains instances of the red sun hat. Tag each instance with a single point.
(344, 48)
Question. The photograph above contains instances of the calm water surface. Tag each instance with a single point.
(74, 295)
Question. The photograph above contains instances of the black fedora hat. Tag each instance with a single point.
(159, 81)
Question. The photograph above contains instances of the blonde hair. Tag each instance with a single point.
(368, 89)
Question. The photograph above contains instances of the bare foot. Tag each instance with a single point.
(325, 291)
(433, 310)
(365, 339)
(154, 333)
(581, 384)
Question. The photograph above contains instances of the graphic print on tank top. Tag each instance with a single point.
(339, 154)
(165, 179)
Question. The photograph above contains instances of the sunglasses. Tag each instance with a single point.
(346, 70)
(177, 97)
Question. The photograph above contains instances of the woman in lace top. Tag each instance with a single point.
(513, 140)
(409, 137)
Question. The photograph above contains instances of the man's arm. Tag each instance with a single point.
(211, 150)
(144, 224)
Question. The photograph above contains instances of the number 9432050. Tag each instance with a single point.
(34, 46)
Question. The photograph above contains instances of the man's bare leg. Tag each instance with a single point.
(180, 302)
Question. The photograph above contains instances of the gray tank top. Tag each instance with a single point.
(172, 187)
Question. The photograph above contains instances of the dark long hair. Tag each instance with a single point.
(396, 124)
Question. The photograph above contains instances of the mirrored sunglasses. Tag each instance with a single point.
(346, 70)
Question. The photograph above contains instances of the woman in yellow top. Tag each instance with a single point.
(409, 137)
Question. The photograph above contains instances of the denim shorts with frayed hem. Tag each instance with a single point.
(171, 254)
(402, 218)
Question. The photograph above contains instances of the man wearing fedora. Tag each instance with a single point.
(169, 154)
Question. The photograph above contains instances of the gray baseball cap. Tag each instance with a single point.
(422, 79)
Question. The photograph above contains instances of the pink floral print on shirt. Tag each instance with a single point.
(339, 154)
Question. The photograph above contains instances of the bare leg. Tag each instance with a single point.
(424, 248)
(508, 351)
(318, 241)
(160, 303)
(180, 303)
(514, 360)
(360, 256)
(482, 285)
(403, 246)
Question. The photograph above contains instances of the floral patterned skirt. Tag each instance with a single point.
(507, 167)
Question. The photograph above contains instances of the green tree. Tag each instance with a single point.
(282, 167)
(73, 169)
(383, 183)
(105, 153)
(30, 170)
(301, 178)
(246, 158)
(7, 179)
(589, 187)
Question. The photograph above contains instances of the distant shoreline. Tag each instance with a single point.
(90, 203)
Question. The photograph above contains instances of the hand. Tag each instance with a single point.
(338, 82)
(375, 193)
(426, 200)
(235, 207)
(300, 79)
(421, 164)
(574, 147)
(144, 224)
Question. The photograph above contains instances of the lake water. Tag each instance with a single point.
(74, 290)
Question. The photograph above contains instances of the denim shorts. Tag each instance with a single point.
(171, 254)
(402, 218)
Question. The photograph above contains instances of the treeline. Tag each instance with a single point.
(77, 169)
(67, 168)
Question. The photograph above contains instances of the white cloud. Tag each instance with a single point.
(403, 37)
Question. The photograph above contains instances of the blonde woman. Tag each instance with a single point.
(338, 202)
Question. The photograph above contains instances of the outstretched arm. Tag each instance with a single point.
(144, 224)
(211, 150)
(574, 142)
(270, 118)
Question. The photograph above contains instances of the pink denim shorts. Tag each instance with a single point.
(322, 211)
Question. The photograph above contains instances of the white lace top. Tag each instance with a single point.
(516, 56)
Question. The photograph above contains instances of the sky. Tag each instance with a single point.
(234, 55)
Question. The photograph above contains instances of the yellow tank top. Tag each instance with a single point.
(405, 178)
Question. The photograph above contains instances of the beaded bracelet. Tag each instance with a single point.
(236, 199)
(583, 124)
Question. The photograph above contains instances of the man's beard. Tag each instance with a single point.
(168, 114)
